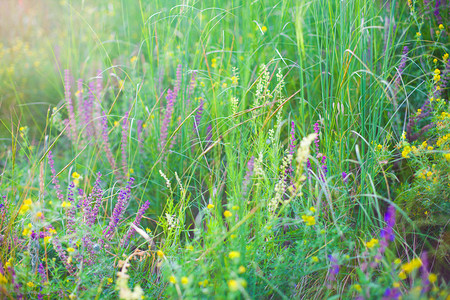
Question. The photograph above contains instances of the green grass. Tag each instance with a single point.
(265, 71)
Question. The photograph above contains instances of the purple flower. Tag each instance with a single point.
(55, 180)
(345, 177)
(391, 293)
(137, 221)
(401, 68)
(198, 115)
(248, 175)
(70, 212)
(167, 119)
(387, 232)
(122, 202)
(96, 197)
(124, 145)
(62, 255)
(106, 145)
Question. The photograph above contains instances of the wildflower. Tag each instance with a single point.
(372, 243)
(432, 278)
(234, 254)
(234, 80)
(397, 261)
(26, 231)
(441, 27)
(309, 220)
(406, 151)
(210, 206)
(445, 57)
(435, 61)
(110, 280)
(30, 284)
(412, 265)
(116, 123)
(235, 207)
(447, 156)
(233, 285)
(3, 279)
(213, 63)
(70, 250)
(203, 283)
(160, 254)
(357, 288)
(133, 59)
(25, 206)
(75, 175)
(264, 29)
(436, 78)
(315, 259)
(379, 146)
(224, 85)
(184, 280)
(66, 204)
(396, 284)
(312, 209)
(402, 275)
(418, 34)
(233, 236)
(227, 214)
(172, 279)
(241, 269)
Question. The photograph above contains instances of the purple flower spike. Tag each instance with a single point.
(248, 175)
(124, 145)
(198, 115)
(55, 180)
(167, 119)
(137, 221)
(345, 177)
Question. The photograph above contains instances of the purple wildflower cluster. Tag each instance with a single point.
(62, 255)
(124, 145)
(401, 68)
(119, 209)
(55, 180)
(137, 221)
(248, 176)
(321, 158)
(70, 212)
(88, 109)
(167, 118)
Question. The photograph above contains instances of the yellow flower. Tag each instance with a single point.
(402, 275)
(309, 220)
(445, 57)
(418, 34)
(190, 247)
(437, 71)
(234, 254)
(396, 284)
(213, 63)
(397, 261)
(160, 253)
(66, 204)
(235, 207)
(172, 279)
(315, 259)
(233, 236)
(76, 182)
(3, 279)
(39, 214)
(133, 59)
(372, 243)
(357, 288)
(234, 80)
(30, 284)
(412, 265)
(52, 231)
(430, 148)
(116, 123)
(224, 85)
(264, 29)
(379, 147)
(241, 269)
(210, 206)
(447, 156)
(25, 206)
(436, 78)
(435, 60)
(184, 280)
(75, 175)
(70, 250)
(432, 277)
(441, 27)
(227, 214)
(406, 151)
(233, 285)
(312, 209)
(110, 280)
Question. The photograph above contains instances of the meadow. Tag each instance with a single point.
(203, 149)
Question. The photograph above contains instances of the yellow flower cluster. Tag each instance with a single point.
(442, 140)
(235, 285)
(407, 268)
(309, 220)
(372, 243)
(66, 204)
(234, 254)
(406, 151)
(25, 206)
